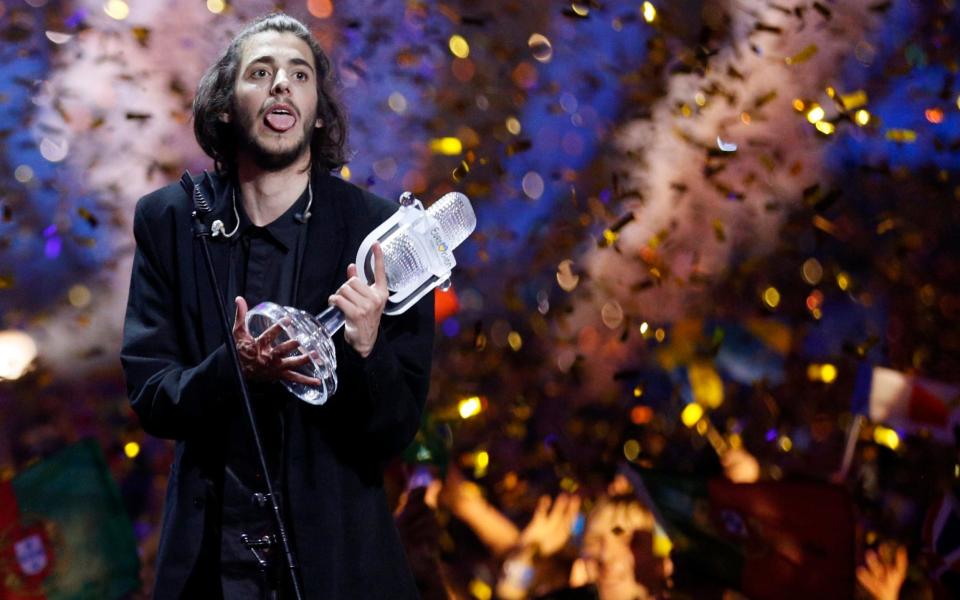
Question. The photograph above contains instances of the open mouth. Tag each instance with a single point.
(280, 118)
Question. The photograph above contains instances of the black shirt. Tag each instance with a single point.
(264, 267)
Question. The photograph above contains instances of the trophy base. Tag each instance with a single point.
(314, 342)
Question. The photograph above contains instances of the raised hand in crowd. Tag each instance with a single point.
(465, 500)
(740, 466)
(882, 577)
(551, 525)
(547, 533)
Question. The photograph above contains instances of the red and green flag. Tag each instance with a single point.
(64, 533)
(768, 540)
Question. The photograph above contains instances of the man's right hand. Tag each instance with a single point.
(260, 359)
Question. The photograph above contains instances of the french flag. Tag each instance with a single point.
(906, 402)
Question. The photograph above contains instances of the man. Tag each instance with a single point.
(265, 114)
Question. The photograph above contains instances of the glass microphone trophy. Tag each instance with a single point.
(418, 256)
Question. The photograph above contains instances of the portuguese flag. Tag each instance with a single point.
(768, 540)
(64, 532)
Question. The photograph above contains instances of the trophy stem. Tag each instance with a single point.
(331, 320)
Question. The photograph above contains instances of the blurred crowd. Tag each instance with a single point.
(468, 540)
(607, 547)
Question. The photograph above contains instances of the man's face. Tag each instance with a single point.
(275, 100)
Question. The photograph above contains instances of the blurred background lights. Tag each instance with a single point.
(828, 373)
(23, 173)
(397, 103)
(532, 185)
(691, 415)
(612, 314)
(566, 278)
(843, 281)
(784, 443)
(825, 372)
(131, 449)
(649, 12)
(79, 295)
(116, 9)
(58, 38)
(54, 149)
(449, 146)
(662, 546)
(216, 6)
(853, 100)
(631, 449)
(705, 384)
(480, 589)
(771, 297)
(385, 168)
(321, 9)
(17, 352)
(887, 437)
(459, 46)
(470, 407)
(481, 461)
(825, 127)
(580, 9)
(812, 271)
(540, 47)
(816, 113)
(641, 415)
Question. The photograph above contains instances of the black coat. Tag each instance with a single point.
(179, 381)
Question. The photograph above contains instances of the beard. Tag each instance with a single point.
(268, 159)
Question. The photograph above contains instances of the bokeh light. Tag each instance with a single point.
(321, 9)
(459, 46)
(17, 352)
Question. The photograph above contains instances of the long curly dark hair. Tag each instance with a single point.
(215, 97)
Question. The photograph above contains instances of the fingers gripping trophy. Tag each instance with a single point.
(418, 256)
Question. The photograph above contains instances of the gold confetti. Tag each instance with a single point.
(87, 216)
(448, 146)
(907, 136)
(540, 47)
(802, 56)
(853, 100)
(718, 230)
(566, 278)
(461, 171)
(612, 314)
(459, 46)
(759, 102)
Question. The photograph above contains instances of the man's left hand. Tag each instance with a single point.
(362, 304)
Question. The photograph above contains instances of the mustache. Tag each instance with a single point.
(289, 105)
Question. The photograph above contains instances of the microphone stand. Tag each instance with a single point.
(202, 232)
